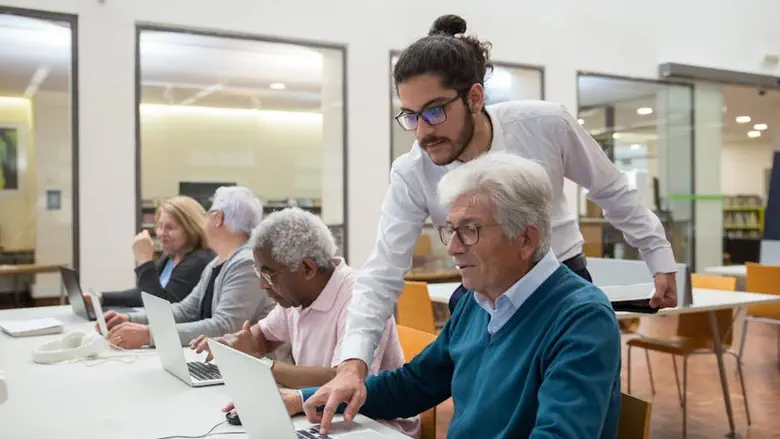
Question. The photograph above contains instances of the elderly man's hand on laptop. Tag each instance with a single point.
(293, 401)
(113, 318)
(242, 340)
(130, 335)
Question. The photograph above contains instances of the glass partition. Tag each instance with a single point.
(227, 110)
(646, 128)
(38, 161)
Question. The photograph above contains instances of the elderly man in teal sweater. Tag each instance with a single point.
(535, 350)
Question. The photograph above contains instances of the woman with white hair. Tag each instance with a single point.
(227, 294)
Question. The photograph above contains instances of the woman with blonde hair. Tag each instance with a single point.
(181, 230)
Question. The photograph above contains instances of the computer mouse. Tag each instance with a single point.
(232, 418)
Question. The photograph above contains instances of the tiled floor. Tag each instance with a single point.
(706, 410)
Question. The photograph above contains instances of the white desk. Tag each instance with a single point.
(728, 270)
(703, 301)
(112, 399)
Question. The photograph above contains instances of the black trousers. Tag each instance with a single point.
(575, 264)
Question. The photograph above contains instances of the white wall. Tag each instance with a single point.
(743, 165)
(610, 36)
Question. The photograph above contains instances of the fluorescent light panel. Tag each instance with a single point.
(151, 109)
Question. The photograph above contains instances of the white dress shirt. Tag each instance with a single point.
(537, 130)
(507, 304)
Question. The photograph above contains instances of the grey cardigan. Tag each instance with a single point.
(237, 298)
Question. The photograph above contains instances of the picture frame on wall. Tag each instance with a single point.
(11, 149)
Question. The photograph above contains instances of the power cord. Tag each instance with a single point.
(122, 358)
(209, 433)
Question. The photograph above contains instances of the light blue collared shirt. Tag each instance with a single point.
(508, 303)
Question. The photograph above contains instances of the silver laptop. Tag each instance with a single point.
(169, 348)
(252, 387)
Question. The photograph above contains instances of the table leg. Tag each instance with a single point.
(722, 372)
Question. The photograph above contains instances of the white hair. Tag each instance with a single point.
(293, 235)
(517, 189)
(242, 211)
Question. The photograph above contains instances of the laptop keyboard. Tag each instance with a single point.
(204, 371)
(311, 433)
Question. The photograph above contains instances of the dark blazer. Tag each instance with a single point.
(184, 277)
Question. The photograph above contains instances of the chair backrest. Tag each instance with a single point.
(413, 342)
(414, 308)
(696, 326)
(711, 282)
(634, 418)
(763, 279)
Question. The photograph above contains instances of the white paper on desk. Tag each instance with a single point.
(33, 327)
(625, 293)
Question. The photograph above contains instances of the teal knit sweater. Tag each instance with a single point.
(552, 371)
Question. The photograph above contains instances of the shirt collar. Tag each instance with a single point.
(496, 144)
(324, 302)
(521, 290)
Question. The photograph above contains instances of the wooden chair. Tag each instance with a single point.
(414, 308)
(634, 418)
(413, 342)
(762, 279)
(694, 336)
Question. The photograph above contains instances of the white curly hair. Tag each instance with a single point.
(292, 235)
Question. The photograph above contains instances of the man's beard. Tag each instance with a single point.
(465, 137)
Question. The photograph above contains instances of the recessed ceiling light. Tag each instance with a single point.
(743, 119)
(277, 86)
(616, 136)
(754, 134)
(581, 121)
(644, 111)
(760, 126)
(636, 146)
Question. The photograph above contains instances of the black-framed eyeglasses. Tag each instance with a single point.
(268, 278)
(435, 115)
(468, 234)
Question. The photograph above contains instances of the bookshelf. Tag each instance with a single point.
(743, 227)
(743, 216)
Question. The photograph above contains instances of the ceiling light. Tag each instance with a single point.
(644, 111)
(760, 126)
(277, 86)
(743, 119)
(581, 121)
(616, 136)
(754, 134)
(636, 146)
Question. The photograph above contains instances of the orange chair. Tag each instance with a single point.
(413, 342)
(694, 336)
(762, 279)
(634, 418)
(414, 308)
